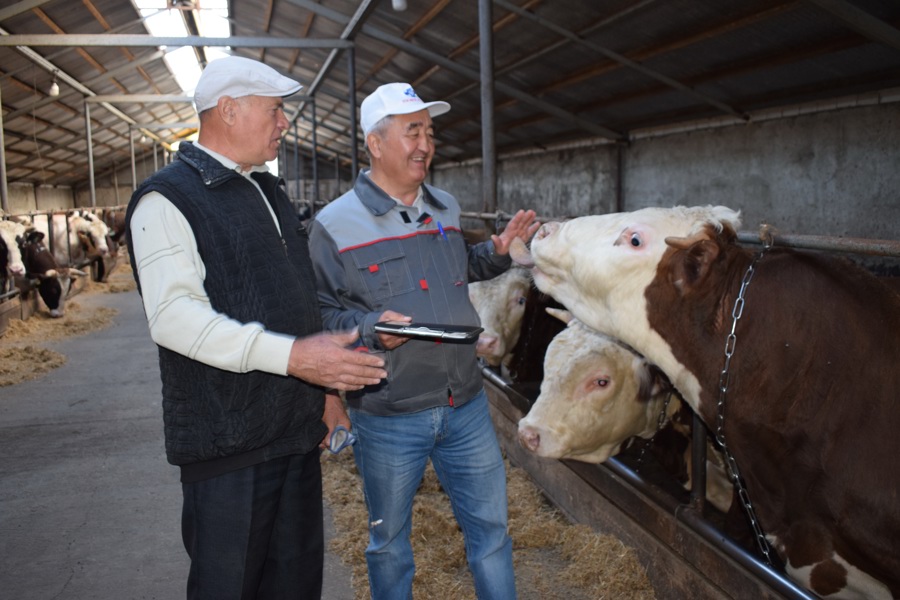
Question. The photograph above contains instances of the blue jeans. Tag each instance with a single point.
(391, 455)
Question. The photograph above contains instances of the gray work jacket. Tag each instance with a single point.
(372, 254)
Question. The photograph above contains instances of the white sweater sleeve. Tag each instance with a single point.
(178, 309)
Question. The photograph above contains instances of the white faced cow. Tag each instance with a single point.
(597, 395)
(10, 255)
(812, 415)
(500, 303)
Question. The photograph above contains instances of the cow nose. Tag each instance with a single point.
(529, 438)
(486, 345)
(547, 229)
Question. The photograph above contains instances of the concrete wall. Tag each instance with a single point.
(25, 198)
(828, 173)
(106, 196)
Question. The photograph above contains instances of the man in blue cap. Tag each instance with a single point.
(222, 264)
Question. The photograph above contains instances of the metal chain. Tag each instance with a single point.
(660, 421)
(734, 473)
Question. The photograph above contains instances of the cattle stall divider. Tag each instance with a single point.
(687, 556)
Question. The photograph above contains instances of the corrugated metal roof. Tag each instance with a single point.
(563, 69)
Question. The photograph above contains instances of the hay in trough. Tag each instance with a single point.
(553, 558)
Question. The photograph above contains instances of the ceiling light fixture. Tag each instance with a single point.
(54, 87)
(399, 5)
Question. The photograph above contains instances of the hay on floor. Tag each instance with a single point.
(553, 558)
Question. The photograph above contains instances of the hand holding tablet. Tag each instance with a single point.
(434, 331)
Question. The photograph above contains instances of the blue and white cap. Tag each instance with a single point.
(395, 99)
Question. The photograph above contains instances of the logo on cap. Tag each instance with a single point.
(410, 92)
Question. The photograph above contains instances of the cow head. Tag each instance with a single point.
(596, 394)
(500, 303)
(600, 267)
(53, 282)
(10, 232)
(91, 231)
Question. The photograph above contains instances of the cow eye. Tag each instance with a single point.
(636, 240)
(603, 382)
(520, 301)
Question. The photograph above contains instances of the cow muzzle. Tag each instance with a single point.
(529, 438)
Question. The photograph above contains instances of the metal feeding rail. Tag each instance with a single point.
(700, 549)
(872, 247)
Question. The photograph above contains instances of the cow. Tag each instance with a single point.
(11, 264)
(800, 347)
(78, 238)
(500, 303)
(598, 395)
(53, 281)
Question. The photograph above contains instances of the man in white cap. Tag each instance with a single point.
(392, 249)
(222, 264)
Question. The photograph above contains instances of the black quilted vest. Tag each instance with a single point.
(215, 420)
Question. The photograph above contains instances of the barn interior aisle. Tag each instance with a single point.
(90, 507)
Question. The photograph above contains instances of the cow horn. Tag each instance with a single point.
(560, 313)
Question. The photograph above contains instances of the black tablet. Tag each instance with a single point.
(434, 331)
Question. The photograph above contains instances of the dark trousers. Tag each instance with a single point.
(256, 533)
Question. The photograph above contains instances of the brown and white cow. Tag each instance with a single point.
(598, 396)
(812, 412)
(78, 238)
(53, 281)
(500, 303)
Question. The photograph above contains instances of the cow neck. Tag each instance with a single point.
(733, 472)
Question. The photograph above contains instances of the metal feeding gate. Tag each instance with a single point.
(677, 536)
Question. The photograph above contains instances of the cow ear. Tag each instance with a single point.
(691, 264)
(651, 380)
(561, 314)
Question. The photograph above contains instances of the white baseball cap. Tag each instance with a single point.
(395, 99)
(237, 77)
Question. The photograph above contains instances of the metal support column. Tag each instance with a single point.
(488, 149)
(296, 162)
(133, 165)
(351, 69)
(90, 149)
(116, 184)
(4, 192)
(337, 175)
(315, 157)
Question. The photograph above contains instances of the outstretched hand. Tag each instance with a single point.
(325, 359)
(522, 226)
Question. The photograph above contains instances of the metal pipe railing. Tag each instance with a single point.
(873, 247)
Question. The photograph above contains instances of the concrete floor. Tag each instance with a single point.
(89, 507)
